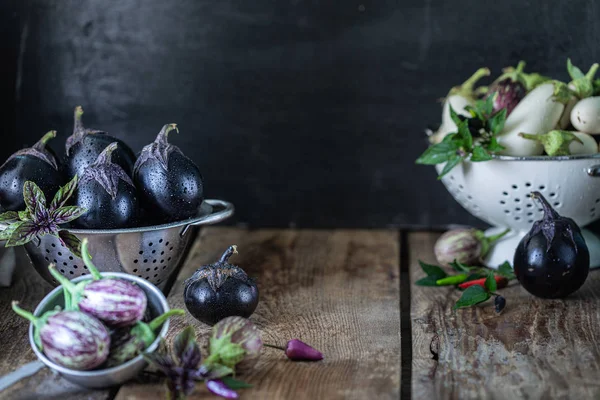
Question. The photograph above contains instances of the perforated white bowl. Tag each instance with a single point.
(496, 192)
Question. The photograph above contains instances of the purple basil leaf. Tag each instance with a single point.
(63, 194)
(9, 217)
(67, 214)
(23, 234)
(221, 389)
(186, 349)
(6, 233)
(71, 241)
(161, 361)
(34, 197)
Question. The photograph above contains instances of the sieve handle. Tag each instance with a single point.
(594, 170)
(226, 211)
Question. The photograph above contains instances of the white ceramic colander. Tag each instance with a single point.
(496, 192)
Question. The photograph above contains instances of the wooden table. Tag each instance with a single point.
(350, 294)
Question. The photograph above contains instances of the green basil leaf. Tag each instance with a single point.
(433, 270)
(496, 122)
(454, 115)
(438, 153)
(427, 281)
(490, 283)
(472, 295)
(235, 383)
(465, 135)
(480, 154)
(506, 271)
(493, 146)
(451, 163)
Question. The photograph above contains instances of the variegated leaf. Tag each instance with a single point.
(24, 215)
(67, 214)
(9, 217)
(71, 241)
(25, 233)
(34, 198)
(6, 233)
(63, 194)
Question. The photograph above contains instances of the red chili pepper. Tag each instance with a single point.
(500, 282)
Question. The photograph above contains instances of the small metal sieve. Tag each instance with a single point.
(150, 252)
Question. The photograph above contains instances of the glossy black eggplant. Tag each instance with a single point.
(37, 164)
(220, 290)
(552, 260)
(107, 193)
(84, 146)
(170, 184)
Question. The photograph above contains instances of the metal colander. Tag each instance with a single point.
(150, 252)
(497, 192)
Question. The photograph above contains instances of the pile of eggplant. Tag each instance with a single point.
(116, 188)
(101, 324)
(541, 115)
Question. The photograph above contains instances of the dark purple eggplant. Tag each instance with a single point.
(552, 260)
(85, 145)
(509, 89)
(128, 343)
(107, 193)
(220, 290)
(72, 339)
(170, 184)
(116, 302)
(37, 164)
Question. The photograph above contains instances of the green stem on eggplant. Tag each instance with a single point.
(87, 260)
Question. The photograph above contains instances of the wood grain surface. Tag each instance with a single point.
(29, 288)
(536, 349)
(337, 290)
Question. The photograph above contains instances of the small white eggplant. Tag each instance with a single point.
(537, 113)
(588, 144)
(459, 97)
(585, 116)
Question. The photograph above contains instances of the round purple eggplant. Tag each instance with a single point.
(85, 145)
(37, 164)
(107, 193)
(170, 184)
(127, 343)
(509, 89)
(72, 339)
(220, 290)
(116, 302)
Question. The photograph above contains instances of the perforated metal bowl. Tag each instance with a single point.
(497, 192)
(151, 252)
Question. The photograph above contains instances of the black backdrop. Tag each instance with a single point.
(303, 113)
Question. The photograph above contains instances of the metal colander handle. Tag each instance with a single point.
(594, 170)
(213, 217)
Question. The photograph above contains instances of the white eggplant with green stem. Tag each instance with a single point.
(585, 116)
(582, 87)
(538, 113)
(458, 98)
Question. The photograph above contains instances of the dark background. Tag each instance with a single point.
(302, 113)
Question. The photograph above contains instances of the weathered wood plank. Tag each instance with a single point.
(29, 288)
(338, 290)
(536, 349)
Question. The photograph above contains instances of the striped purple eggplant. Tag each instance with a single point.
(461, 245)
(72, 339)
(116, 302)
(235, 343)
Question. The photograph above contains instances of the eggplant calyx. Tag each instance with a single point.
(79, 131)
(38, 150)
(218, 273)
(106, 173)
(556, 142)
(159, 150)
(466, 89)
(551, 223)
(562, 93)
(513, 74)
(582, 84)
(146, 331)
